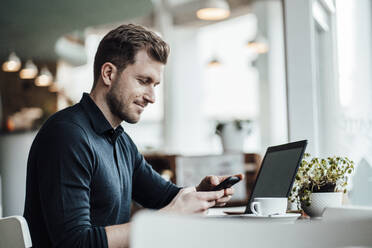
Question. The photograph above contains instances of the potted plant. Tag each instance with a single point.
(320, 183)
(232, 134)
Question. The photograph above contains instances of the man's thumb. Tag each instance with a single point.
(214, 180)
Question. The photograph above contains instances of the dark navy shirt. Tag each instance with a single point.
(82, 175)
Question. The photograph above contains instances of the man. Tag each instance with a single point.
(84, 170)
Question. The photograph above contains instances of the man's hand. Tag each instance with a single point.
(189, 201)
(209, 182)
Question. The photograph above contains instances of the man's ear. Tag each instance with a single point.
(108, 73)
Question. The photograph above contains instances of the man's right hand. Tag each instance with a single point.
(189, 201)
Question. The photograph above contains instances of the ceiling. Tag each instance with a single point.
(184, 11)
(31, 28)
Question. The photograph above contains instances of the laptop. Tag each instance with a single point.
(278, 170)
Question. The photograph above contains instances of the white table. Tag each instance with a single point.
(154, 229)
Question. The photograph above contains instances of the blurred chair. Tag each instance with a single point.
(14, 233)
(152, 229)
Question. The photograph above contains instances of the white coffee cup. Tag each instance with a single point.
(265, 206)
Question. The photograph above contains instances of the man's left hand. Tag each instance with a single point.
(209, 182)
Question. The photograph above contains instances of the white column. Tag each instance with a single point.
(184, 126)
(163, 22)
(301, 86)
(187, 129)
(273, 101)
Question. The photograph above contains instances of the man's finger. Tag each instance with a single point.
(224, 199)
(241, 176)
(210, 195)
(220, 204)
(211, 203)
(206, 205)
(222, 178)
(229, 191)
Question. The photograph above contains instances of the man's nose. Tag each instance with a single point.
(150, 95)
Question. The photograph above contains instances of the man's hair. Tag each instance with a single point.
(121, 45)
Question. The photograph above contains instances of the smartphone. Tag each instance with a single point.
(227, 183)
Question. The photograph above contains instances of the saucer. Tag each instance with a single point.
(277, 217)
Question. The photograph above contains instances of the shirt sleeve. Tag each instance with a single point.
(65, 169)
(149, 188)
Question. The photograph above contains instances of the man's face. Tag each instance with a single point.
(134, 88)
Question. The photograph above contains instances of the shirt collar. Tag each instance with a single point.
(97, 119)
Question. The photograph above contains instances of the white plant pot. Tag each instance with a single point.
(319, 201)
(232, 138)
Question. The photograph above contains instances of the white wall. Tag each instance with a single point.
(189, 90)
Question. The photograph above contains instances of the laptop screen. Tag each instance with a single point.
(277, 172)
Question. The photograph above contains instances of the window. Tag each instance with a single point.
(329, 61)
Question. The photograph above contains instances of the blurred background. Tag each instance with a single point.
(242, 75)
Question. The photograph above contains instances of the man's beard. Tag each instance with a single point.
(117, 107)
